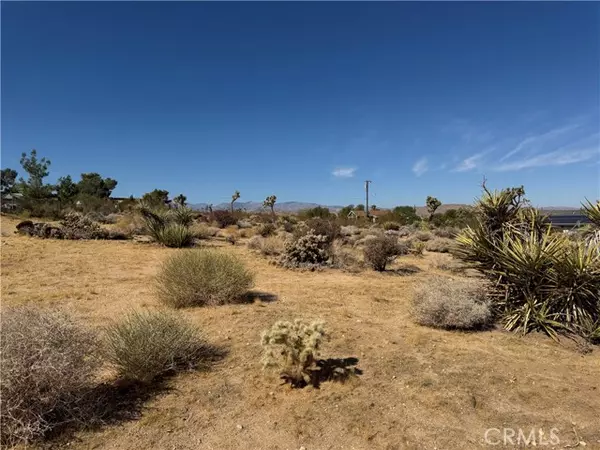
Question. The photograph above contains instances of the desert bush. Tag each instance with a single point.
(202, 277)
(541, 280)
(292, 349)
(242, 224)
(343, 258)
(271, 246)
(446, 232)
(446, 262)
(423, 236)
(380, 251)
(223, 218)
(47, 364)
(391, 226)
(308, 250)
(440, 245)
(175, 235)
(451, 304)
(418, 248)
(147, 344)
(266, 229)
(204, 231)
(254, 243)
(130, 224)
(328, 228)
(182, 215)
(349, 230)
(405, 231)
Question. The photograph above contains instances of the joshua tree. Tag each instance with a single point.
(432, 205)
(180, 200)
(373, 207)
(270, 203)
(234, 197)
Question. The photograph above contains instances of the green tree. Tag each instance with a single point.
(373, 207)
(66, 190)
(37, 170)
(94, 185)
(234, 197)
(432, 205)
(8, 179)
(180, 200)
(270, 203)
(360, 207)
(156, 198)
(345, 211)
(405, 215)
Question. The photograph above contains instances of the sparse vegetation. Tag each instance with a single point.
(382, 250)
(292, 348)
(309, 250)
(147, 344)
(202, 277)
(47, 364)
(451, 304)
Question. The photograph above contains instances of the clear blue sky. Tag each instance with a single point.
(307, 100)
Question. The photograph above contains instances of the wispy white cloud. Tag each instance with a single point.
(420, 167)
(533, 142)
(555, 158)
(470, 163)
(344, 172)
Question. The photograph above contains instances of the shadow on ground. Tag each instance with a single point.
(252, 296)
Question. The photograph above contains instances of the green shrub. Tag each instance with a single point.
(47, 363)
(145, 345)
(418, 248)
(202, 277)
(175, 235)
(183, 215)
(451, 304)
(292, 348)
(382, 250)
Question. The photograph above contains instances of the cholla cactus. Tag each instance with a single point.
(292, 349)
(308, 249)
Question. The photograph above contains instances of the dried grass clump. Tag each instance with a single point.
(439, 245)
(451, 304)
(202, 277)
(446, 232)
(349, 230)
(292, 348)
(382, 250)
(345, 259)
(204, 231)
(47, 366)
(423, 236)
(146, 345)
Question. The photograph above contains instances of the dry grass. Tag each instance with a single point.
(202, 277)
(420, 388)
(442, 302)
(47, 366)
(146, 344)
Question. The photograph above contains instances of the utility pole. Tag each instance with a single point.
(367, 196)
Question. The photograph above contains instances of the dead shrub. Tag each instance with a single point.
(292, 349)
(148, 344)
(47, 365)
(451, 304)
(382, 250)
(423, 236)
(202, 277)
(446, 232)
(266, 229)
(204, 231)
(345, 259)
(439, 245)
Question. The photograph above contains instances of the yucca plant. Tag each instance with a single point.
(175, 235)
(169, 227)
(183, 215)
(592, 211)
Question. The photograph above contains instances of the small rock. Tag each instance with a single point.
(239, 427)
(302, 448)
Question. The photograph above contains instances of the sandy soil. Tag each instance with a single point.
(421, 388)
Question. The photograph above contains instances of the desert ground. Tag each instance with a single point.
(420, 388)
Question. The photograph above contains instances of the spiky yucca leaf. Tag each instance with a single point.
(592, 211)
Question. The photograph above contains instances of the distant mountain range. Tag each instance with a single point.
(291, 207)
